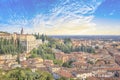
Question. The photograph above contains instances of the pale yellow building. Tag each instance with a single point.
(28, 41)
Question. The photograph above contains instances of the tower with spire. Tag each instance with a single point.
(22, 31)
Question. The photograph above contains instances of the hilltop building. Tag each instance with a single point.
(28, 41)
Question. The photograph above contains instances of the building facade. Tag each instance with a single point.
(28, 41)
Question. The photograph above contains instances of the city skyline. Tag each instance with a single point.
(58, 17)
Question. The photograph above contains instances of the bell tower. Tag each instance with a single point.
(22, 31)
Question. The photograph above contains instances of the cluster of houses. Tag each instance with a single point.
(104, 65)
(99, 66)
(88, 65)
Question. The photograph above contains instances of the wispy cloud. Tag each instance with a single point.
(65, 17)
(68, 18)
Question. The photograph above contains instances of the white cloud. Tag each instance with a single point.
(67, 15)
(70, 16)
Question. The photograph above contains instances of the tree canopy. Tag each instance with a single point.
(25, 74)
(9, 46)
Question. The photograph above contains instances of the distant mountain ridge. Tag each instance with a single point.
(87, 37)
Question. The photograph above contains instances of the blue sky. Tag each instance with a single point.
(61, 17)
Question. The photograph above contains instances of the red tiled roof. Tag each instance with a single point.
(65, 73)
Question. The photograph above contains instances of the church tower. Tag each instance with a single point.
(22, 31)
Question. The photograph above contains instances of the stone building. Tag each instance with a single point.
(28, 41)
